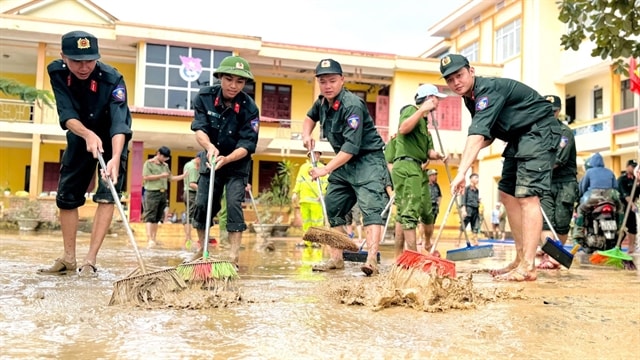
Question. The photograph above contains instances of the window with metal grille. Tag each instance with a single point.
(508, 41)
(173, 75)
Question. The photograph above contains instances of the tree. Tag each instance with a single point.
(25, 92)
(612, 25)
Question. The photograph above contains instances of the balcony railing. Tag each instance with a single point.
(16, 111)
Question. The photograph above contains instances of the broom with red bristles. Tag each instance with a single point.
(432, 261)
(616, 257)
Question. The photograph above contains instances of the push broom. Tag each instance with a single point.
(430, 262)
(206, 270)
(325, 235)
(616, 257)
(555, 249)
(361, 255)
(469, 252)
(141, 286)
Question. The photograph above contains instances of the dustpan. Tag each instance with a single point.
(554, 248)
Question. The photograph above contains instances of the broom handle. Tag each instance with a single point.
(386, 223)
(434, 122)
(324, 206)
(253, 203)
(626, 214)
(553, 231)
(207, 226)
(116, 198)
(446, 215)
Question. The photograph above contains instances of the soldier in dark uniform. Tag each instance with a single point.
(359, 171)
(226, 124)
(625, 185)
(509, 110)
(91, 98)
(559, 203)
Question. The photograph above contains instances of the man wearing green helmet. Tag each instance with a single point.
(226, 123)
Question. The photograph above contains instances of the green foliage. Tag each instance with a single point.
(26, 93)
(612, 25)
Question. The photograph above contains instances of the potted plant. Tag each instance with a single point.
(276, 201)
(28, 215)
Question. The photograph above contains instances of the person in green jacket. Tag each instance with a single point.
(414, 147)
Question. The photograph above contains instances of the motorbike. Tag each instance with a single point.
(600, 227)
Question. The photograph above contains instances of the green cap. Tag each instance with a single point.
(555, 101)
(452, 63)
(80, 45)
(234, 65)
(328, 66)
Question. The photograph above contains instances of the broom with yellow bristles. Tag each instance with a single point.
(141, 286)
(203, 270)
(616, 257)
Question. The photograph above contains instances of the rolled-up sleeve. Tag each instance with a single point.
(248, 133)
(352, 129)
(488, 105)
(119, 109)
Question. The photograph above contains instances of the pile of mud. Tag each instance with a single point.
(199, 298)
(418, 290)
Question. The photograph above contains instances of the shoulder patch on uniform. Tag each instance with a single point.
(255, 124)
(482, 103)
(564, 141)
(353, 121)
(119, 94)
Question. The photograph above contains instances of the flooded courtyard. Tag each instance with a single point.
(286, 311)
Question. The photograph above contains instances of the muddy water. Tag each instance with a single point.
(288, 312)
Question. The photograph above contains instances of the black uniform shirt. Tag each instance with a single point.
(228, 128)
(471, 197)
(346, 123)
(504, 108)
(99, 103)
(625, 183)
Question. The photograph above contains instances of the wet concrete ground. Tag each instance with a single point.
(287, 312)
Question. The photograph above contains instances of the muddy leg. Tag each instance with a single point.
(514, 214)
(101, 223)
(399, 240)
(428, 234)
(531, 219)
(410, 239)
(69, 226)
(235, 238)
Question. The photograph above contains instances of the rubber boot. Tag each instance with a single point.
(235, 238)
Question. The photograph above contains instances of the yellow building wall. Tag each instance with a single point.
(468, 37)
(487, 34)
(507, 14)
(403, 90)
(9, 176)
(583, 92)
(301, 94)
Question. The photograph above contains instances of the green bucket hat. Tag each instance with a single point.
(234, 65)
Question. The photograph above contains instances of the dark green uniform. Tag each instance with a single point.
(511, 111)
(411, 184)
(348, 126)
(100, 104)
(559, 203)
